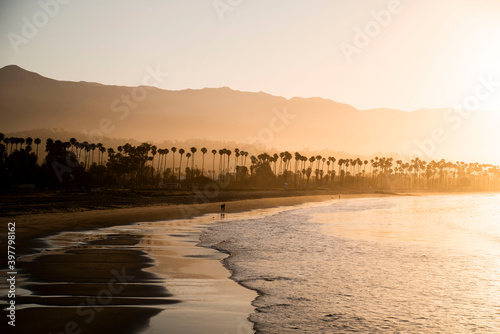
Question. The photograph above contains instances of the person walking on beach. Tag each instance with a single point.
(223, 207)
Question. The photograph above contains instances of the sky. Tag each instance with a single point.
(403, 54)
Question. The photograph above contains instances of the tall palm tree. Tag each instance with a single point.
(181, 152)
(173, 149)
(245, 159)
(203, 151)
(287, 159)
(166, 151)
(102, 149)
(160, 157)
(154, 151)
(214, 152)
(193, 151)
(188, 155)
(228, 152)
(99, 151)
(340, 163)
(221, 166)
(87, 154)
(236, 156)
(311, 161)
(162, 152)
(92, 147)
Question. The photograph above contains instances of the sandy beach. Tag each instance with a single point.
(31, 227)
(83, 252)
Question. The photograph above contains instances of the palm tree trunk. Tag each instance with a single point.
(180, 168)
(202, 164)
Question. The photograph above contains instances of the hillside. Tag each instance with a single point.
(30, 101)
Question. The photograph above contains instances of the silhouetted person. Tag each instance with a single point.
(223, 207)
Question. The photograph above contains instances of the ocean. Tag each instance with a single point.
(405, 264)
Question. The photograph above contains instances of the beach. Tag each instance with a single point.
(71, 247)
(142, 270)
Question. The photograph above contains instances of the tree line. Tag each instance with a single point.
(74, 164)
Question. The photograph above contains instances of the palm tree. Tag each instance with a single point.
(173, 149)
(102, 149)
(154, 150)
(287, 159)
(318, 161)
(221, 166)
(275, 160)
(162, 153)
(228, 152)
(181, 152)
(166, 151)
(203, 150)
(99, 151)
(214, 152)
(236, 156)
(188, 155)
(245, 154)
(193, 150)
(311, 161)
(87, 148)
(340, 163)
(92, 147)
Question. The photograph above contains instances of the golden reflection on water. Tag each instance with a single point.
(447, 223)
(425, 264)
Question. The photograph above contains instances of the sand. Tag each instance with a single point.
(33, 226)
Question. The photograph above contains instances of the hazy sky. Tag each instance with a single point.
(427, 53)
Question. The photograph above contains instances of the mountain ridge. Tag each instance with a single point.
(29, 100)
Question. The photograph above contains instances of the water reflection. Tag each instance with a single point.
(391, 265)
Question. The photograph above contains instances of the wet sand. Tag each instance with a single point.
(32, 228)
(114, 281)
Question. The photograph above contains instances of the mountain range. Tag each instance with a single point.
(30, 101)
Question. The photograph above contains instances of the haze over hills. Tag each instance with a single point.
(30, 101)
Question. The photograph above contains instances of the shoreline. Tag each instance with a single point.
(34, 231)
(32, 228)
(63, 264)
